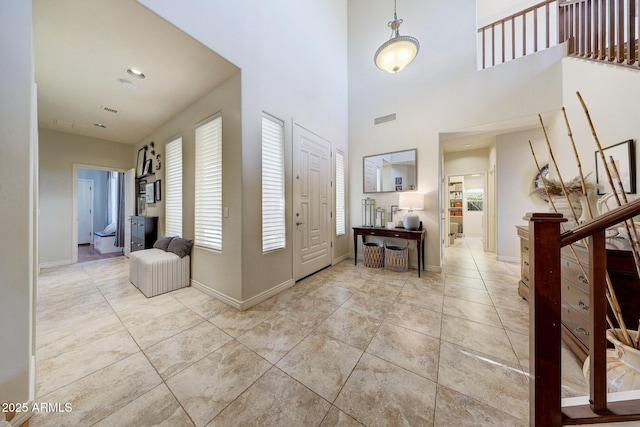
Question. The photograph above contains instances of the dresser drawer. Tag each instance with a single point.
(576, 298)
(572, 273)
(576, 324)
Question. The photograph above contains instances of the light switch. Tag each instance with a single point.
(226, 212)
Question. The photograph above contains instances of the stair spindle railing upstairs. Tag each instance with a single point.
(601, 30)
(545, 243)
(517, 35)
(597, 30)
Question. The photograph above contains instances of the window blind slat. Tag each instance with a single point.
(208, 191)
(340, 195)
(173, 188)
(273, 202)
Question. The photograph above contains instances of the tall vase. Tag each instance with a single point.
(623, 365)
(562, 206)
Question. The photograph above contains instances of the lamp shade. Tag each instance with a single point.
(396, 53)
(411, 201)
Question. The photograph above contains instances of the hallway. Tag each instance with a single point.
(348, 346)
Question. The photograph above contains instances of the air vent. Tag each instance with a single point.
(384, 119)
(108, 109)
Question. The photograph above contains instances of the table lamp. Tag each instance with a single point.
(412, 202)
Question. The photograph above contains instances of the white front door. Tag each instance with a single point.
(312, 202)
(85, 211)
(129, 207)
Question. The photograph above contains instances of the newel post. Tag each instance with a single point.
(544, 319)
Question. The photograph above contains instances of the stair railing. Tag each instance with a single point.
(545, 243)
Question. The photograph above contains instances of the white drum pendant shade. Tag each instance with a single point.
(397, 53)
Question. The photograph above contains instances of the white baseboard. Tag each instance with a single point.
(246, 304)
(433, 268)
(55, 263)
(340, 259)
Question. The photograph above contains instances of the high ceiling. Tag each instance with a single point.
(82, 50)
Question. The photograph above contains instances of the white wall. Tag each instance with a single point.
(440, 91)
(293, 57)
(17, 188)
(59, 151)
(219, 272)
(516, 171)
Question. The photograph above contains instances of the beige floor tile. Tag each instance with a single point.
(489, 380)
(350, 327)
(333, 294)
(160, 328)
(157, 407)
(415, 318)
(410, 350)
(336, 418)
(321, 363)
(209, 385)
(457, 409)
(177, 353)
(514, 320)
(424, 298)
(379, 393)
(236, 323)
(274, 400)
(510, 300)
(486, 339)
(468, 294)
(99, 394)
(467, 282)
(275, 337)
(367, 305)
(480, 313)
(67, 367)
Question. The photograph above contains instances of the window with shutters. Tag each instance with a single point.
(208, 191)
(340, 195)
(273, 200)
(173, 187)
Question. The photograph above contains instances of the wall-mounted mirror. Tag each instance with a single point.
(390, 172)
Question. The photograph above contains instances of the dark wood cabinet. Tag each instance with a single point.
(575, 288)
(144, 232)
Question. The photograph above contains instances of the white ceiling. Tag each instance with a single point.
(82, 50)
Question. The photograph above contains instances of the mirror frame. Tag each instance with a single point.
(415, 175)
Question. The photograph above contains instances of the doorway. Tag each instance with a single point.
(312, 202)
(95, 211)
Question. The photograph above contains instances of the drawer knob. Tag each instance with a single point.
(526, 263)
(581, 330)
(526, 248)
(583, 279)
(526, 279)
(583, 305)
(396, 235)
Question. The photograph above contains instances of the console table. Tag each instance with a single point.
(398, 233)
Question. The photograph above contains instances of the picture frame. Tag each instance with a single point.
(142, 186)
(624, 157)
(150, 194)
(148, 167)
(142, 206)
(398, 180)
(157, 189)
(140, 162)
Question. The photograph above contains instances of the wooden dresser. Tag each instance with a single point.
(575, 288)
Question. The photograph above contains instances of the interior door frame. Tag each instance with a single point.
(294, 197)
(92, 183)
(74, 204)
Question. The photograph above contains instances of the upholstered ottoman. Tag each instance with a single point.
(156, 271)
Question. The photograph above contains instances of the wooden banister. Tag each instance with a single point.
(545, 243)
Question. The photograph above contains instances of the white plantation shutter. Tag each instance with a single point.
(173, 188)
(208, 203)
(340, 195)
(273, 202)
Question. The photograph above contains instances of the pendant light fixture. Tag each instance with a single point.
(397, 52)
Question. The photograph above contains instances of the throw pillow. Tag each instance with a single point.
(163, 243)
(180, 246)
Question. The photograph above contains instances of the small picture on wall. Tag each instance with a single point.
(142, 206)
(142, 157)
(398, 180)
(150, 195)
(398, 187)
(158, 191)
(142, 186)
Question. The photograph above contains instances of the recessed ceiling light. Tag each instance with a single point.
(467, 145)
(100, 125)
(128, 84)
(136, 73)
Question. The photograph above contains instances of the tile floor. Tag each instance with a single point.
(348, 346)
